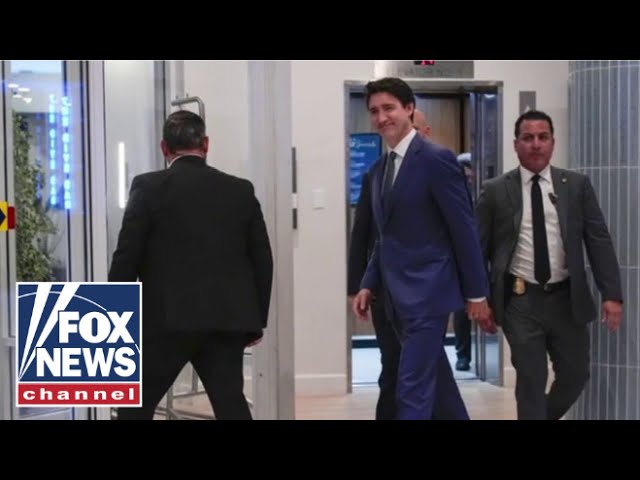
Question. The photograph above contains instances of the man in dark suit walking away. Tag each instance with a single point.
(533, 222)
(196, 239)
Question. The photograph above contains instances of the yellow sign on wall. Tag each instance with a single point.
(4, 216)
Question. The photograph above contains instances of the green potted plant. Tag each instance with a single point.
(33, 226)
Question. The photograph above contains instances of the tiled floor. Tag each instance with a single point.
(483, 401)
(365, 363)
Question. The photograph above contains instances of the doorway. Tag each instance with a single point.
(466, 117)
(106, 117)
(43, 173)
(66, 132)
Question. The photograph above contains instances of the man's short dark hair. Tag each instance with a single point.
(533, 115)
(183, 130)
(393, 86)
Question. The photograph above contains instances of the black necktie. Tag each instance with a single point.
(542, 268)
(389, 173)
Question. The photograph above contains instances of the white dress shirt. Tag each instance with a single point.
(522, 264)
(183, 155)
(401, 151)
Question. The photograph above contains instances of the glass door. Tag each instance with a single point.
(44, 171)
(72, 137)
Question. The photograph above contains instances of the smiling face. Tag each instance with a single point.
(389, 117)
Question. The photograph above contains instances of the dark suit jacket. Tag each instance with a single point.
(196, 239)
(363, 236)
(499, 212)
(428, 252)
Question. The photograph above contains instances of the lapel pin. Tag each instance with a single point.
(564, 180)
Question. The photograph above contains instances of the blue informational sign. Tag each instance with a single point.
(364, 150)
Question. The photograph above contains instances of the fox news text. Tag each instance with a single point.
(79, 344)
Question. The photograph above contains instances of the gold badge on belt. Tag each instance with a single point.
(519, 286)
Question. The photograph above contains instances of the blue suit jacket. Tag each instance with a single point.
(428, 249)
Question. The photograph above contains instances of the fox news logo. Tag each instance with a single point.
(79, 344)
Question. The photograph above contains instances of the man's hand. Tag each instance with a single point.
(481, 313)
(360, 304)
(612, 314)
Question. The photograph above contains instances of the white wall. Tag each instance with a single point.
(320, 243)
(550, 79)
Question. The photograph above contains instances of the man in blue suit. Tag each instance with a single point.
(426, 235)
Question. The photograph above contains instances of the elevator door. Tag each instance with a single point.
(485, 136)
(465, 116)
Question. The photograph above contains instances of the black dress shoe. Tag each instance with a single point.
(463, 365)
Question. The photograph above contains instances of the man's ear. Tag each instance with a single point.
(164, 148)
(205, 144)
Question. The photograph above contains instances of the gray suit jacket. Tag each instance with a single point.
(499, 213)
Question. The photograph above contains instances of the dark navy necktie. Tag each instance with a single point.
(389, 173)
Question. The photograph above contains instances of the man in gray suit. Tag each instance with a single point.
(533, 222)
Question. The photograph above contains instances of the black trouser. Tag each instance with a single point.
(462, 330)
(536, 323)
(389, 358)
(217, 359)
